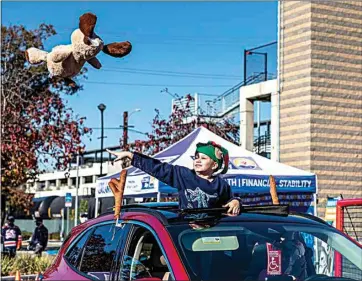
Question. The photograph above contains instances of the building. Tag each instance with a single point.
(320, 60)
(58, 183)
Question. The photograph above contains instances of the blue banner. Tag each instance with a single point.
(260, 184)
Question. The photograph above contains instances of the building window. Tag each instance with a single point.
(88, 179)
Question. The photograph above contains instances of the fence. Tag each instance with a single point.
(348, 220)
(261, 59)
(225, 103)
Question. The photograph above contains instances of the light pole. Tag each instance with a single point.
(101, 107)
(248, 52)
(251, 52)
(76, 196)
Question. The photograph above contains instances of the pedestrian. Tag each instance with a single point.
(201, 187)
(39, 239)
(11, 237)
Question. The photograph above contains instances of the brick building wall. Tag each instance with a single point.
(321, 93)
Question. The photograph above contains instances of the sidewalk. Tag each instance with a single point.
(51, 244)
(51, 249)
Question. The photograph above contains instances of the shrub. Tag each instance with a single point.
(26, 235)
(7, 265)
(26, 264)
(54, 236)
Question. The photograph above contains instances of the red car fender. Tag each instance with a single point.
(165, 239)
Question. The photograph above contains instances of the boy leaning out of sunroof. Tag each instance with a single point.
(200, 187)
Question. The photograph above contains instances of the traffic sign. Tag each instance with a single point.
(68, 199)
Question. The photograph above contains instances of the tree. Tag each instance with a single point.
(83, 206)
(38, 129)
(180, 123)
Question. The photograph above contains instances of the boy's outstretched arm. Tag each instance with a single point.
(164, 172)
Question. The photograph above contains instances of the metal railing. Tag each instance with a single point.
(228, 101)
(262, 144)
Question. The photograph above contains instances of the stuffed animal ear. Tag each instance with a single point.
(118, 50)
(87, 23)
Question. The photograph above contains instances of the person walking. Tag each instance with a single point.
(39, 239)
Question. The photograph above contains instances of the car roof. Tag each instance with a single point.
(170, 214)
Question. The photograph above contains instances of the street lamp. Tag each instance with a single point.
(101, 107)
(249, 52)
(134, 111)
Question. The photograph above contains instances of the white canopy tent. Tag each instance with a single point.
(248, 172)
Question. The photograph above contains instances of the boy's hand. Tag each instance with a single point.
(124, 156)
(234, 207)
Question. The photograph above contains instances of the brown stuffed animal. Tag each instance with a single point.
(66, 61)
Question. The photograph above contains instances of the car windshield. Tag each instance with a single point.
(257, 250)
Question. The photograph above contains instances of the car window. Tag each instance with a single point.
(100, 250)
(143, 257)
(74, 254)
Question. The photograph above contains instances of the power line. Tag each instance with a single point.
(170, 75)
(170, 72)
(119, 128)
(187, 38)
(151, 85)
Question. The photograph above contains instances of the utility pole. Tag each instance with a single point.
(245, 54)
(125, 129)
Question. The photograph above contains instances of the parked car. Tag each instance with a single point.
(157, 241)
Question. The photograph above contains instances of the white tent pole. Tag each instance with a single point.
(96, 208)
(157, 187)
(62, 227)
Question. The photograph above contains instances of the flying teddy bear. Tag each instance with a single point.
(66, 61)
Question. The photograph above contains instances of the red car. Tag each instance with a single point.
(157, 241)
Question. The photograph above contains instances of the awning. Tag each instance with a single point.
(36, 204)
(56, 206)
(44, 206)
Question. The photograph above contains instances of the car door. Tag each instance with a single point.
(143, 256)
(92, 255)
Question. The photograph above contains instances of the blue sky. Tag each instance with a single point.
(205, 38)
